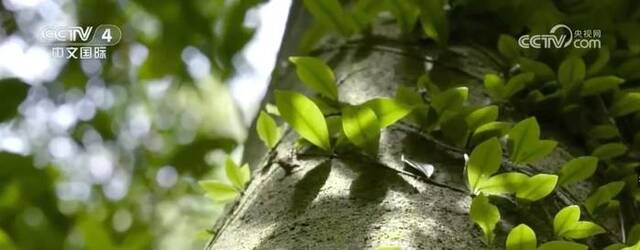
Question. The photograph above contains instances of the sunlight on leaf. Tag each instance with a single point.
(267, 130)
(566, 219)
(238, 176)
(304, 116)
(491, 129)
(361, 127)
(521, 237)
(502, 183)
(583, 229)
(484, 161)
(494, 85)
(388, 110)
(537, 187)
(481, 116)
(218, 191)
(486, 216)
(634, 234)
(524, 145)
(314, 73)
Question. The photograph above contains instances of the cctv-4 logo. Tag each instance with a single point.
(98, 52)
(103, 35)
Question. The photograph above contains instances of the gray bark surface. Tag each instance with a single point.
(305, 201)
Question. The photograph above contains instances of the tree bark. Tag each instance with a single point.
(351, 201)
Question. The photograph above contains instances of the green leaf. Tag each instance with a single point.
(566, 219)
(366, 10)
(334, 123)
(634, 234)
(484, 161)
(634, 247)
(272, 109)
(602, 196)
(583, 229)
(12, 93)
(522, 136)
(521, 237)
(434, 20)
(502, 183)
(424, 81)
(361, 127)
(606, 131)
(508, 47)
(486, 215)
(454, 129)
(494, 85)
(405, 12)
(609, 151)
(616, 246)
(267, 130)
(598, 85)
(541, 70)
(408, 96)
(491, 129)
(316, 75)
(626, 104)
(330, 14)
(517, 83)
(325, 105)
(562, 245)
(629, 68)
(537, 187)
(524, 145)
(304, 117)
(450, 99)
(577, 170)
(481, 116)
(238, 176)
(538, 151)
(218, 191)
(388, 110)
(600, 62)
(6, 242)
(571, 71)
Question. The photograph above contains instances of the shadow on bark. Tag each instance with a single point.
(373, 183)
(307, 189)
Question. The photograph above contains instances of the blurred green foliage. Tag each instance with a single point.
(185, 130)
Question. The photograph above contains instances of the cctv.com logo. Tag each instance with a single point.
(561, 36)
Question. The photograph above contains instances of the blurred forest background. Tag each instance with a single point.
(106, 154)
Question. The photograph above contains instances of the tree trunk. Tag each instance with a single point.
(297, 201)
